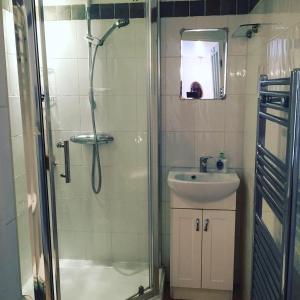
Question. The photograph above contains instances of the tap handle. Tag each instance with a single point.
(205, 158)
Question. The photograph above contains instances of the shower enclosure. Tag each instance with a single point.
(89, 90)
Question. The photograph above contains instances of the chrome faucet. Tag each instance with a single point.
(203, 163)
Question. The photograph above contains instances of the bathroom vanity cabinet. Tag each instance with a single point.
(202, 238)
(202, 247)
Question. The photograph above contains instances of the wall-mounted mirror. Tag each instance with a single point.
(203, 63)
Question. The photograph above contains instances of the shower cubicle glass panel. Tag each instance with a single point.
(97, 68)
(91, 93)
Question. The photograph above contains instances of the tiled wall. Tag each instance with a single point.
(10, 284)
(103, 11)
(191, 8)
(195, 128)
(134, 9)
(17, 147)
(110, 226)
(273, 51)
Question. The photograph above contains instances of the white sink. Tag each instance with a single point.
(203, 187)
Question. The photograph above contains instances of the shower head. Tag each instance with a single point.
(99, 42)
(122, 22)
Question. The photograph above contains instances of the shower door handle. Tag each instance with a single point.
(66, 147)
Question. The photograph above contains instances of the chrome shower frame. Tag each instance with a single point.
(47, 287)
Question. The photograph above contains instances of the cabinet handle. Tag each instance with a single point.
(197, 224)
(206, 225)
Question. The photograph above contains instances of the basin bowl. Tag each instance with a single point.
(204, 187)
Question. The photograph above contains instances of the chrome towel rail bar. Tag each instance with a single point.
(275, 185)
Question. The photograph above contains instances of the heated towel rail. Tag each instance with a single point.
(275, 185)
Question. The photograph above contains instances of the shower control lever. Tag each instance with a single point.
(65, 146)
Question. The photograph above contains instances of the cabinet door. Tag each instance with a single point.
(218, 249)
(186, 236)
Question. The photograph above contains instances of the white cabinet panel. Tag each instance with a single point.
(218, 249)
(186, 237)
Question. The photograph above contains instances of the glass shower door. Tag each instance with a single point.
(102, 241)
(90, 244)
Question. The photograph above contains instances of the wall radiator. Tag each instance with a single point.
(276, 184)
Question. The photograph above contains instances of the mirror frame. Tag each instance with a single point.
(226, 30)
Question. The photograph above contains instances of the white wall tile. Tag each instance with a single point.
(124, 149)
(99, 247)
(253, 70)
(124, 74)
(141, 76)
(209, 143)
(172, 76)
(234, 113)
(12, 71)
(125, 214)
(123, 113)
(81, 42)
(236, 74)
(180, 114)
(234, 149)
(18, 155)
(143, 247)
(210, 115)
(66, 72)
(62, 45)
(180, 149)
(65, 112)
(208, 22)
(173, 29)
(15, 116)
(125, 247)
(163, 25)
(122, 43)
(83, 72)
(140, 37)
(72, 244)
(142, 112)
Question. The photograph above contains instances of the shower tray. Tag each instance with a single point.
(88, 139)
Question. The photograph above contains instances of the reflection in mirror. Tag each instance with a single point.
(203, 63)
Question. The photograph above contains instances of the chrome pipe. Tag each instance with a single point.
(275, 93)
(267, 116)
(277, 81)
